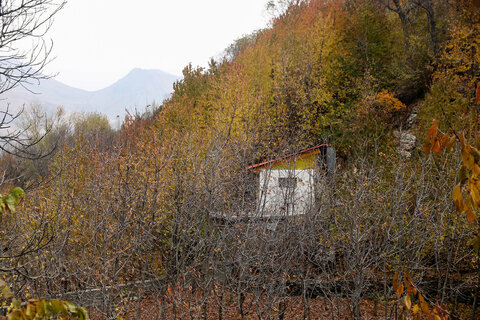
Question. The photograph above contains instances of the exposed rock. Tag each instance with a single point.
(412, 118)
(407, 142)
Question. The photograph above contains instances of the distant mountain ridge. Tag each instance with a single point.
(136, 90)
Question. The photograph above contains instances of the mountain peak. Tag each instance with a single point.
(136, 71)
(135, 90)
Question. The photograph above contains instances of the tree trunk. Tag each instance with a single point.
(404, 21)
(432, 24)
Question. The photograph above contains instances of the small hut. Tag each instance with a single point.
(291, 185)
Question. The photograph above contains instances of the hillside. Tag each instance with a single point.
(174, 211)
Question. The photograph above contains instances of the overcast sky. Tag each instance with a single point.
(96, 42)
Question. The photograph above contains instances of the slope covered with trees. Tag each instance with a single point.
(135, 209)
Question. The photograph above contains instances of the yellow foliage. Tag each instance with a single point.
(388, 103)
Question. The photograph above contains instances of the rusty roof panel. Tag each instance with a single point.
(271, 162)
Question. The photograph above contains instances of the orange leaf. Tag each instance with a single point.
(462, 139)
(399, 290)
(408, 282)
(395, 281)
(467, 157)
(476, 169)
(420, 297)
(470, 214)
(445, 139)
(408, 276)
(425, 307)
(437, 147)
(433, 131)
(450, 142)
(475, 194)
(458, 198)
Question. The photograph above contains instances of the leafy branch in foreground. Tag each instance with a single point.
(466, 194)
(33, 308)
(40, 309)
(412, 300)
(11, 200)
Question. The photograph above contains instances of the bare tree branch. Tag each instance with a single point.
(23, 56)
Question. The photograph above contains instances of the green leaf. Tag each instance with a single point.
(16, 304)
(41, 309)
(76, 312)
(17, 193)
(11, 203)
(82, 313)
(70, 307)
(6, 292)
(57, 307)
(45, 309)
(31, 310)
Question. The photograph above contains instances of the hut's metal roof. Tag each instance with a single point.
(270, 163)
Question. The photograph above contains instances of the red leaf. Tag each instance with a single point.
(477, 96)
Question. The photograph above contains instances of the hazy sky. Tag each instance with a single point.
(96, 42)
